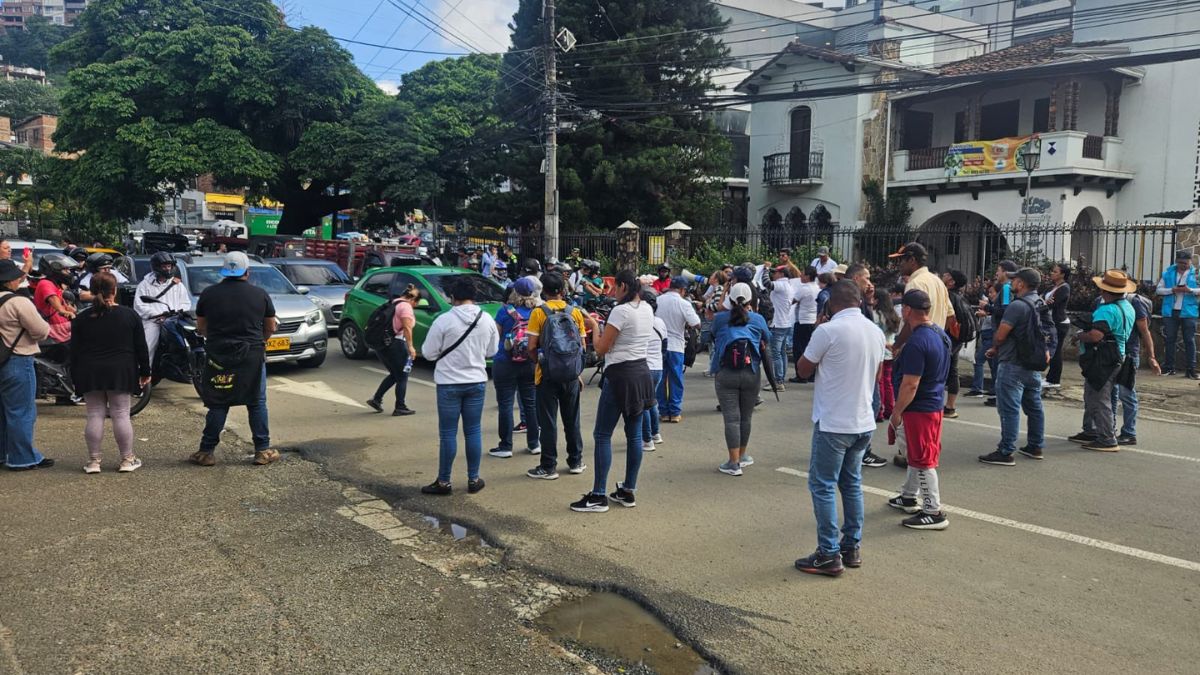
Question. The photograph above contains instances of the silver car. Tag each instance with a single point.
(302, 336)
(327, 283)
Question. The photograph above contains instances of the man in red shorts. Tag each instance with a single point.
(919, 374)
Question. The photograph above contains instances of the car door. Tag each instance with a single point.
(424, 315)
(371, 292)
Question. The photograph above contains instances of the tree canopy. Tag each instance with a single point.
(31, 47)
(22, 98)
(165, 90)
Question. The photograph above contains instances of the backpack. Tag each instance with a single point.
(1037, 338)
(562, 349)
(378, 333)
(516, 339)
(738, 354)
(691, 346)
(766, 308)
(6, 351)
(964, 318)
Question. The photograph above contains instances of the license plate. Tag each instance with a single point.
(279, 344)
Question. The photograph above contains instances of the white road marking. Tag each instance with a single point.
(317, 390)
(1124, 448)
(412, 379)
(1036, 529)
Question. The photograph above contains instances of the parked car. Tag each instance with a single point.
(435, 283)
(326, 282)
(302, 336)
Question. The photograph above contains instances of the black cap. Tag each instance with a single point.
(10, 271)
(1009, 266)
(1183, 255)
(913, 249)
(917, 300)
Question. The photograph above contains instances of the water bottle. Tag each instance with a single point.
(408, 366)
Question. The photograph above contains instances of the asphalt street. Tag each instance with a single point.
(1084, 562)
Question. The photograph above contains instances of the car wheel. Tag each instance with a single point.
(351, 339)
(313, 362)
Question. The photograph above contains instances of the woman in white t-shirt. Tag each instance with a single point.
(627, 391)
(654, 361)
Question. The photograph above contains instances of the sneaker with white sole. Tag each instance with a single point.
(730, 469)
(578, 469)
(658, 439)
(93, 466)
(591, 504)
(534, 451)
(905, 504)
(927, 521)
(623, 497)
(542, 473)
(648, 447)
(747, 460)
(502, 453)
(130, 465)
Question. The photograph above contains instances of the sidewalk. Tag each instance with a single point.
(239, 568)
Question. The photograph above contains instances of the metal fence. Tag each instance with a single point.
(1144, 250)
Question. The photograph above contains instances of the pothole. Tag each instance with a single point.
(461, 533)
(618, 635)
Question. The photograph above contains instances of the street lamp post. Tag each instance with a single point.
(1031, 154)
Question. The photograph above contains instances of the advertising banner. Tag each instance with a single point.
(265, 223)
(978, 158)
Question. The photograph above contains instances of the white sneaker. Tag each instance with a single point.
(93, 466)
(130, 465)
(747, 460)
(648, 447)
(657, 439)
(501, 453)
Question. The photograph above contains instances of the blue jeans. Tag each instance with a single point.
(455, 401)
(670, 388)
(1171, 329)
(1019, 389)
(781, 342)
(260, 430)
(18, 412)
(511, 378)
(983, 344)
(607, 415)
(836, 465)
(650, 420)
(1129, 404)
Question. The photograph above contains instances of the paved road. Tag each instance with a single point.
(1080, 563)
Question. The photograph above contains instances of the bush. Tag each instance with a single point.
(707, 257)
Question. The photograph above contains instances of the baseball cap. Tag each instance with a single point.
(912, 248)
(526, 287)
(1009, 266)
(740, 293)
(1183, 255)
(824, 250)
(236, 264)
(917, 299)
(680, 282)
(9, 270)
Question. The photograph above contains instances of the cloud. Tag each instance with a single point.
(390, 87)
(482, 24)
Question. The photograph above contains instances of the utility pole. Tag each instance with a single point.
(550, 222)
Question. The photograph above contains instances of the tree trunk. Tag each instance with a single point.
(304, 209)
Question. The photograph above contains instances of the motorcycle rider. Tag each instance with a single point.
(58, 273)
(166, 289)
(93, 264)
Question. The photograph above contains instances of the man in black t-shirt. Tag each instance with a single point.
(237, 319)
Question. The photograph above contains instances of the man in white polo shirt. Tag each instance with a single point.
(849, 348)
(823, 262)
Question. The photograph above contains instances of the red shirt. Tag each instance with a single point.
(661, 285)
(42, 293)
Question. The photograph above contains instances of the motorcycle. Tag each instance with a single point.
(52, 370)
(180, 354)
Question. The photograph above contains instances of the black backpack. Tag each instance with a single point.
(965, 316)
(378, 333)
(738, 354)
(1038, 338)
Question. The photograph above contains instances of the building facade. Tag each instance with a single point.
(14, 13)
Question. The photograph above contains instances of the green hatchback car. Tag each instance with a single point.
(435, 283)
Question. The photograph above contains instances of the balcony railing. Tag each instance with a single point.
(778, 168)
(1093, 147)
(927, 158)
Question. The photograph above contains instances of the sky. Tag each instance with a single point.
(481, 25)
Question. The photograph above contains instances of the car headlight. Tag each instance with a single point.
(312, 318)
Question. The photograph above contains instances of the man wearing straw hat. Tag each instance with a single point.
(1115, 317)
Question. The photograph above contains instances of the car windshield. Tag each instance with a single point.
(485, 291)
(267, 278)
(317, 274)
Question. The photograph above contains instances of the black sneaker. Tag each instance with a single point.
(998, 458)
(474, 486)
(900, 460)
(950, 413)
(1125, 439)
(576, 469)
(1168, 372)
(543, 473)
(872, 460)
(375, 405)
(623, 497)
(591, 504)
(1083, 438)
(990, 402)
(795, 380)
(974, 393)
(759, 402)
(46, 463)
(927, 521)
(905, 504)
(1191, 375)
(403, 412)
(1032, 453)
(852, 557)
(502, 453)
(520, 428)
(819, 563)
(437, 488)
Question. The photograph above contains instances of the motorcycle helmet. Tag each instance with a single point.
(57, 267)
(500, 266)
(77, 254)
(98, 261)
(650, 297)
(163, 265)
(531, 267)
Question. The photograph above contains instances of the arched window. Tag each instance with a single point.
(800, 145)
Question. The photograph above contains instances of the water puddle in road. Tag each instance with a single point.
(609, 625)
(459, 532)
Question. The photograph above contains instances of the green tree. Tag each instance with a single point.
(31, 47)
(887, 227)
(164, 90)
(635, 146)
(22, 98)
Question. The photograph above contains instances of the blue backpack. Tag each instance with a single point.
(561, 345)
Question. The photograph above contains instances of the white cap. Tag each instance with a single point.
(741, 293)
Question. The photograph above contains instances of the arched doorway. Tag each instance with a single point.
(1087, 240)
(963, 240)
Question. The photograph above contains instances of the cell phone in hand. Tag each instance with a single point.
(28, 252)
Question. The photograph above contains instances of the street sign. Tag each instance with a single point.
(565, 40)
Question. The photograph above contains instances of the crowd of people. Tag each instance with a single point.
(875, 355)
